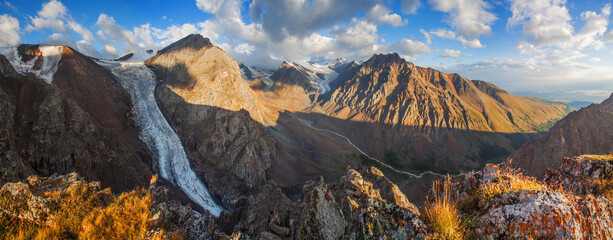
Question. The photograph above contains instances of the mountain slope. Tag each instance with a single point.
(586, 131)
(216, 115)
(387, 89)
(45, 132)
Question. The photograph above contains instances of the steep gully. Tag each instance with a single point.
(310, 125)
(156, 132)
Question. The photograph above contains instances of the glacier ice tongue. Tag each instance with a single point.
(156, 132)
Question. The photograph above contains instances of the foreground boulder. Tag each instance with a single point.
(504, 204)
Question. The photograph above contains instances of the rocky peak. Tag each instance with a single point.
(201, 73)
(385, 59)
(193, 41)
(608, 101)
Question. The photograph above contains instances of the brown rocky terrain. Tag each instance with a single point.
(494, 203)
(586, 131)
(46, 132)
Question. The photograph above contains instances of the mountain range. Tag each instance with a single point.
(218, 131)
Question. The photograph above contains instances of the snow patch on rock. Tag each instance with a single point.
(51, 57)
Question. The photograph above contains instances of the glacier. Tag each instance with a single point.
(162, 140)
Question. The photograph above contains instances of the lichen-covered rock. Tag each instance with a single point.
(588, 168)
(567, 205)
(531, 214)
(321, 216)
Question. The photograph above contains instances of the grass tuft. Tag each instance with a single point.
(441, 215)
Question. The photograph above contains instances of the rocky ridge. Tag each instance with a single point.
(585, 131)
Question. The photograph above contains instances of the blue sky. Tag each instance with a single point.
(554, 49)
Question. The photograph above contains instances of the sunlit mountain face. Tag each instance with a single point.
(228, 119)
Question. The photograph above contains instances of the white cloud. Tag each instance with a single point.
(88, 49)
(448, 34)
(9, 30)
(594, 59)
(137, 41)
(54, 15)
(470, 18)
(304, 17)
(360, 35)
(411, 48)
(594, 28)
(426, 35)
(60, 39)
(244, 48)
(548, 23)
(110, 50)
(381, 14)
(451, 53)
(53, 9)
(174, 33)
(410, 6)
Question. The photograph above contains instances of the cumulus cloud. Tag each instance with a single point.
(302, 18)
(411, 48)
(175, 33)
(136, 41)
(54, 15)
(470, 18)
(451, 53)
(381, 14)
(548, 23)
(448, 34)
(60, 39)
(9, 30)
(410, 6)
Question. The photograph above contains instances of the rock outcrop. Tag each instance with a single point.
(362, 204)
(586, 131)
(517, 207)
(216, 116)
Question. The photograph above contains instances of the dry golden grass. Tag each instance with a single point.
(604, 157)
(79, 213)
(441, 214)
(126, 218)
(507, 184)
(510, 180)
